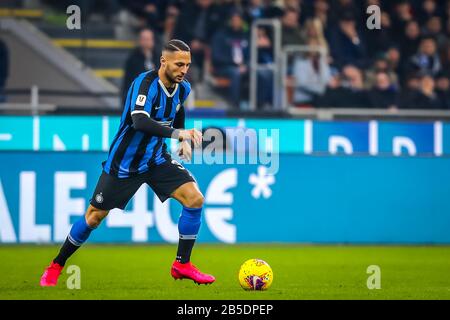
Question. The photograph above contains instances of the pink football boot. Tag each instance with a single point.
(189, 271)
(51, 275)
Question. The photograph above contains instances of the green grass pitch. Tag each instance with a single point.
(300, 272)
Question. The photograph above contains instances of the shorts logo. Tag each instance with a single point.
(140, 101)
(175, 162)
(99, 198)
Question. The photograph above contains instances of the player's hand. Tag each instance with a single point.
(193, 135)
(197, 137)
(185, 150)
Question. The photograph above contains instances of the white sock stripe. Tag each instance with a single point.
(75, 243)
(188, 237)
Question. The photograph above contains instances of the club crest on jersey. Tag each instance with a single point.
(99, 198)
(140, 101)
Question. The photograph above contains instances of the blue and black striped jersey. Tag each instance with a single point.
(132, 152)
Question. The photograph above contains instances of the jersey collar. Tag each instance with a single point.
(170, 95)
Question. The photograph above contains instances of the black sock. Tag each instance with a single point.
(67, 249)
(184, 250)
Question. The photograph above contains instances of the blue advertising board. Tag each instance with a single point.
(95, 133)
(311, 199)
(341, 137)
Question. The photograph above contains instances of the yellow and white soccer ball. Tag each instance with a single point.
(255, 274)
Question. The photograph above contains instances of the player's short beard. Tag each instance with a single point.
(170, 78)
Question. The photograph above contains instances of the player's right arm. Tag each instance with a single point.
(149, 126)
(144, 91)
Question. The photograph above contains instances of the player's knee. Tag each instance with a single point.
(95, 216)
(195, 201)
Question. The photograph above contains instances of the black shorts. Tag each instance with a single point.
(112, 192)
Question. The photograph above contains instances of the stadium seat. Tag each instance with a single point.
(215, 81)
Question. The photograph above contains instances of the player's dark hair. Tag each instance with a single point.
(176, 45)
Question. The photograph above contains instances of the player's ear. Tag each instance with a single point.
(162, 60)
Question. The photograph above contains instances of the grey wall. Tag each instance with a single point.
(28, 68)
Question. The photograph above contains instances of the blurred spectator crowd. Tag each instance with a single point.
(404, 64)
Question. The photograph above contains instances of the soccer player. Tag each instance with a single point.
(153, 112)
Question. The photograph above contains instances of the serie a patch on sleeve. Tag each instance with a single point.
(140, 101)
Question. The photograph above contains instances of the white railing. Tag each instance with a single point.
(274, 66)
(34, 107)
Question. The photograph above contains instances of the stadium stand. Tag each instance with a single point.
(363, 68)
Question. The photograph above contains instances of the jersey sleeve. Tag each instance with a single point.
(143, 95)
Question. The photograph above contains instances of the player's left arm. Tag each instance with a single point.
(185, 148)
(179, 121)
(143, 94)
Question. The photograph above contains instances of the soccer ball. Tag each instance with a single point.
(255, 274)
